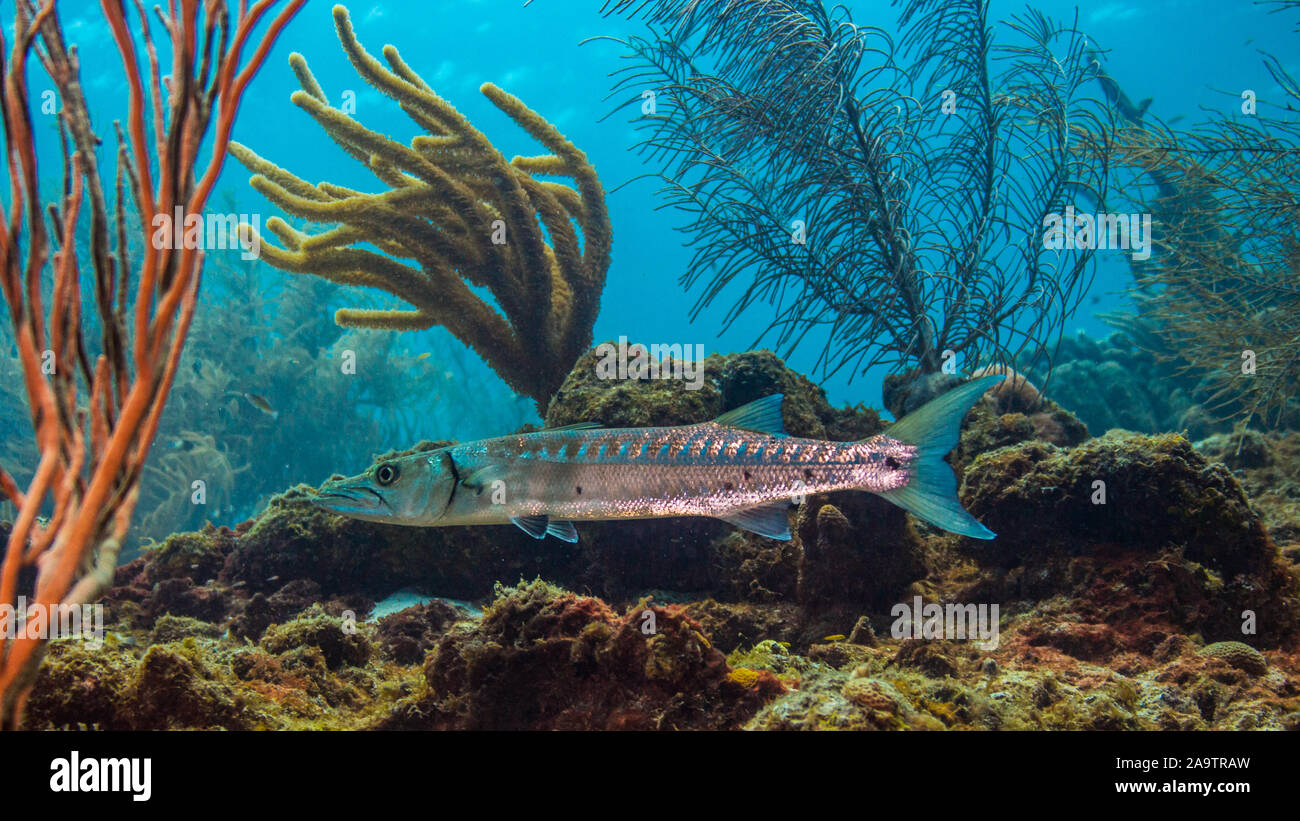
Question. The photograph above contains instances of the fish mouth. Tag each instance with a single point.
(352, 500)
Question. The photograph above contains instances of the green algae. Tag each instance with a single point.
(340, 642)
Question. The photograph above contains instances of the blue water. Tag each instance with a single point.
(1183, 53)
(1176, 51)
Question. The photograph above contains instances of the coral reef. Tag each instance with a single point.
(866, 558)
(1113, 383)
(1127, 615)
(543, 658)
(1268, 467)
(1239, 655)
(728, 381)
(1014, 394)
(465, 216)
(1133, 530)
(95, 403)
(987, 427)
(1122, 488)
(307, 675)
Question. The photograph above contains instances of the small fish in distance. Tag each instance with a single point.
(257, 401)
(741, 468)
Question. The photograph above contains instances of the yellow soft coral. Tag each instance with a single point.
(457, 214)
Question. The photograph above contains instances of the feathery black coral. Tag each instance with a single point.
(886, 197)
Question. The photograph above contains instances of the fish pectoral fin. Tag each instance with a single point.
(539, 526)
(483, 477)
(771, 520)
(534, 526)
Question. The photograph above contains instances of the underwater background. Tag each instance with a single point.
(263, 334)
(1122, 620)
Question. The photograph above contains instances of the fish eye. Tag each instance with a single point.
(386, 474)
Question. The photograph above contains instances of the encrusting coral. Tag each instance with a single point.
(462, 213)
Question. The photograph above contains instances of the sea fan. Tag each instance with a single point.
(885, 196)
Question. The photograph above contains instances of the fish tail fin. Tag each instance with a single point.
(934, 430)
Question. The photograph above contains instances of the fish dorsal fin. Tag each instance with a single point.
(574, 426)
(761, 415)
(771, 520)
(539, 526)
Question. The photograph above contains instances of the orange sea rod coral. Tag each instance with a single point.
(93, 449)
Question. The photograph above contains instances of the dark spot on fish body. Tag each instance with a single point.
(728, 486)
(747, 476)
(807, 474)
(578, 488)
(891, 463)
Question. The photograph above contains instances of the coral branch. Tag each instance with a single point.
(92, 490)
(457, 214)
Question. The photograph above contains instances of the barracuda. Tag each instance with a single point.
(740, 467)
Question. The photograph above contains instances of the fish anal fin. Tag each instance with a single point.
(762, 416)
(771, 520)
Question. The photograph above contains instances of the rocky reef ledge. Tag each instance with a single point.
(1138, 584)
